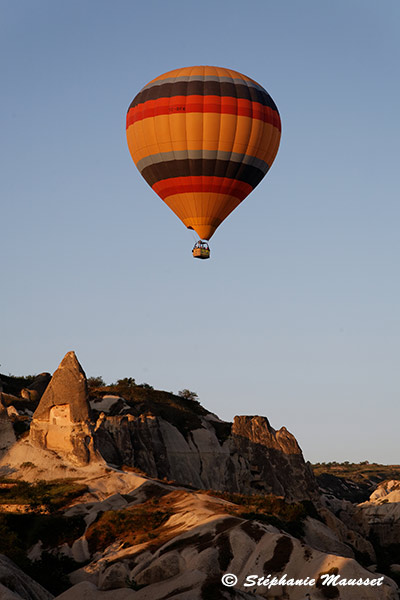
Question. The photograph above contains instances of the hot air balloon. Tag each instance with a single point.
(203, 138)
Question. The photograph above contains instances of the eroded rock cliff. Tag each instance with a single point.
(251, 457)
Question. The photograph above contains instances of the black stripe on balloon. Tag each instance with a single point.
(197, 167)
(204, 88)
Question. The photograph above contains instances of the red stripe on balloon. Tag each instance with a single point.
(217, 185)
(203, 104)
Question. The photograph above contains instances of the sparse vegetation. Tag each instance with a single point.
(52, 496)
(183, 412)
(13, 384)
(271, 510)
(358, 472)
(187, 394)
(131, 526)
(353, 481)
(95, 382)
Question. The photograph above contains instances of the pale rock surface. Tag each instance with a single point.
(382, 513)
(35, 553)
(319, 536)
(80, 550)
(387, 491)
(12, 411)
(6, 594)
(114, 577)
(18, 583)
(107, 402)
(61, 421)
(28, 394)
(203, 545)
(347, 533)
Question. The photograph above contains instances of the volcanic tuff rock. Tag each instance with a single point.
(382, 514)
(15, 585)
(14, 385)
(61, 421)
(37, 388)
(7, 436)
(166, 436)
(254, 458)
(199, 543)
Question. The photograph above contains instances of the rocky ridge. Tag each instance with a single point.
(177, 541)
(167, 437)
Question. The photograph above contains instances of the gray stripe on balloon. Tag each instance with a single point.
(244, 159)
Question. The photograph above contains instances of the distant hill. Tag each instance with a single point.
(353, 481)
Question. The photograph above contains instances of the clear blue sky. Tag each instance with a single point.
(296, 316)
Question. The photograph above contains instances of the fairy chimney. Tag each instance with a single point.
(61, 421)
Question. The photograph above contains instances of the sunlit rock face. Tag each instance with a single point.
(61, 422)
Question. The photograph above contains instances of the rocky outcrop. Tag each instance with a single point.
(165, 436)
(16, 585)
(199, 543)
(275, 459)
(37, 388)
(7, 435)
(61, 422)
(253, 459)
(382, 515)
(8, 399)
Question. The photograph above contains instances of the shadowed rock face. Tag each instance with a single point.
(7, 436)
(274, 457)
(37, 388)
(253, 459)
(61, 421)
(15, 584)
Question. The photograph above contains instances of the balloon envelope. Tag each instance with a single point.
(203, 138)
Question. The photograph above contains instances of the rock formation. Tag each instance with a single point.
(16, 585)
(166, 437)
(202, 540)
(274, 457)
(61, 422)
(148, 539)
(382, 515)
(37, 388)
(254, 458)
(7, 435)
